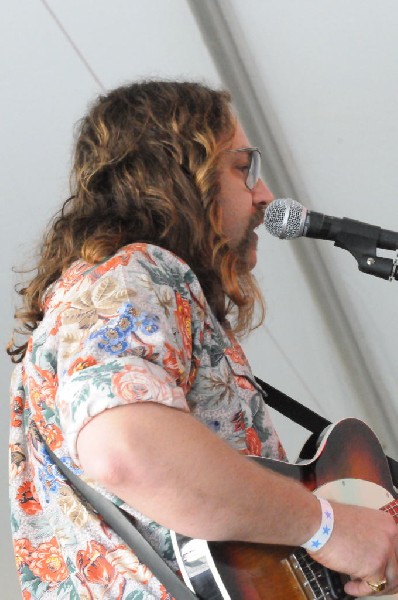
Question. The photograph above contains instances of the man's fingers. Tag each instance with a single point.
(360, 587)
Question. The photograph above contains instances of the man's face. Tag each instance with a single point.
(242, 209)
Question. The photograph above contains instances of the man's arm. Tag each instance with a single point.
(172, 468)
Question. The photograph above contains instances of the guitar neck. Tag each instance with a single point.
(392, 509)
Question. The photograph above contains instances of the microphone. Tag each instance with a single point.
(288, 219)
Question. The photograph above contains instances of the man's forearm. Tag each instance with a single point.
(173, 469)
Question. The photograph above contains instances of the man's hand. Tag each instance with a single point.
(363, 545)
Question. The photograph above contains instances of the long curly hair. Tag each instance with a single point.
(146, 170)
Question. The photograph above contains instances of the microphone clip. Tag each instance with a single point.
(362, 240)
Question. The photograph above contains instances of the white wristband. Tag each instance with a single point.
(320, 538)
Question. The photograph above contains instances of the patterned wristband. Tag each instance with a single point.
(320, 538)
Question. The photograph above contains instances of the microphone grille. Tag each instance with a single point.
(284, 218)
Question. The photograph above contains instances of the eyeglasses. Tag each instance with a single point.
(254, 172)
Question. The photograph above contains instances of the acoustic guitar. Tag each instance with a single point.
(349, 466)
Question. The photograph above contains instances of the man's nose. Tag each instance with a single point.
(262, 194)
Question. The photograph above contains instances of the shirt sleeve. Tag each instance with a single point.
(130, 331)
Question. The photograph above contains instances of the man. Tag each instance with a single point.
(133, 374)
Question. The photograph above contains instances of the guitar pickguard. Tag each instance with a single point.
(355, 491)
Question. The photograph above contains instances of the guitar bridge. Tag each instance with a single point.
(317, 582)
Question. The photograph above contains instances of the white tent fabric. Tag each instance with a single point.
(316, 86)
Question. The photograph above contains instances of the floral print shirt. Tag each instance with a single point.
(135, 328)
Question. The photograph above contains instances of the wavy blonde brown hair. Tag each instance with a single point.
(146, 170)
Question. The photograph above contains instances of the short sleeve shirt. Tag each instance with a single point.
(135, 328)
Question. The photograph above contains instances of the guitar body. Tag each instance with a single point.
(349, 466)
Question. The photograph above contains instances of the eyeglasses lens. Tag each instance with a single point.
(254, 169)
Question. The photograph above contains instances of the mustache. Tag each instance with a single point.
(255, 220)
